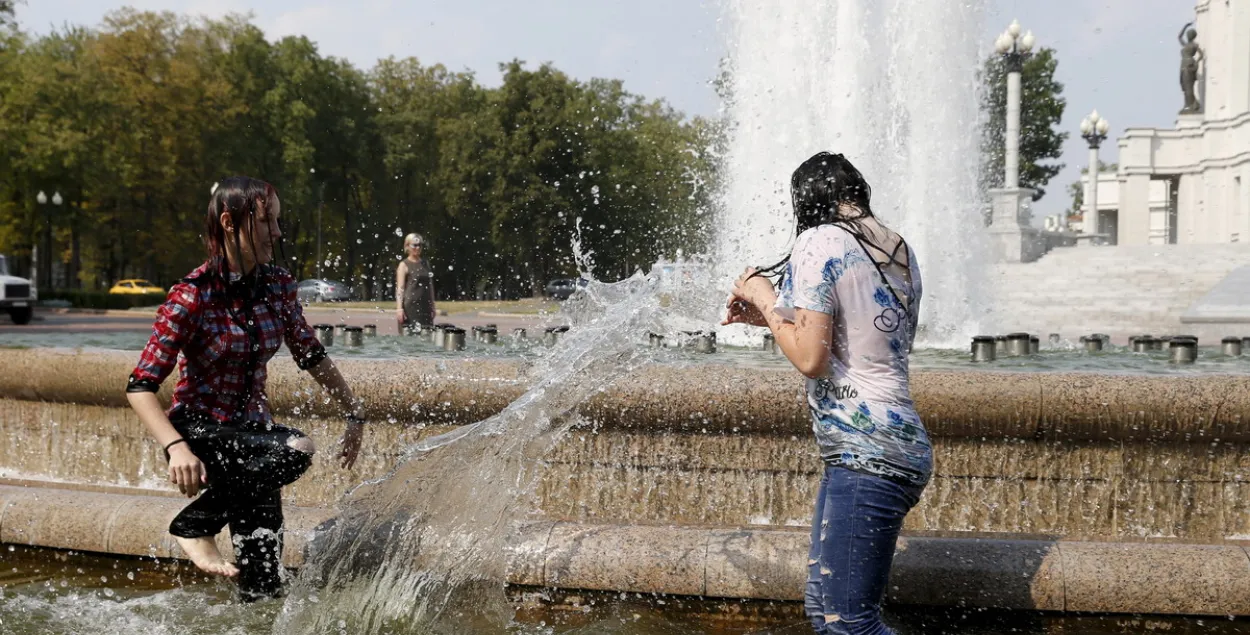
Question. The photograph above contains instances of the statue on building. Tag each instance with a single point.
(1191, 55)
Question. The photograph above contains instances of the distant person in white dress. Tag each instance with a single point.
(414, 287)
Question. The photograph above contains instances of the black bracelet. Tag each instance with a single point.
(172, 444)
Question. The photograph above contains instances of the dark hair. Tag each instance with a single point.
(819, 188)
(240, 196)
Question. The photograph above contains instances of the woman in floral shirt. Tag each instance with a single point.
(845, 315)
(228, 319)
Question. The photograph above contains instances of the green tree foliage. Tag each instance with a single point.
(1041, 109)
(6, 12)
(134, 121)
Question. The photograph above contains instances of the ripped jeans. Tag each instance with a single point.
(857, 521)
(247, 465)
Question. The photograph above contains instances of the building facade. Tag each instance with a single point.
(1190, 184)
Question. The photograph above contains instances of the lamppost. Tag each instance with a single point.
(1015, 49)
(42, 200)
(1094, 130)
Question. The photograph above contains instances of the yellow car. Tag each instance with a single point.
(135, 287)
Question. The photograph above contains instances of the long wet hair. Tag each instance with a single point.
(826, 189)
(241, 197)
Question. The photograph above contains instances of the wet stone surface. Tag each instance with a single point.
(47, 592)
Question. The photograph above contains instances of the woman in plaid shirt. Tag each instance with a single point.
(227, 319)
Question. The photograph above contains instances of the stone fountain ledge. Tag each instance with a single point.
(1079, 492)
(971, 404)
(722, 562)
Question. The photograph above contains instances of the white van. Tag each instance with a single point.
(17, 295)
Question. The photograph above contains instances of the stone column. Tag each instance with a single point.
(1011, 180)
(1091, 199)
(1135, 212)
(1012, 237)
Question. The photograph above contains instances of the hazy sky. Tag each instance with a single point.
(1119, 56)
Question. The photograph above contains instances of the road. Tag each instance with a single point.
(134, 321)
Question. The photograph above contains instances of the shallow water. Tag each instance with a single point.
(1065, 357)
(48, 592)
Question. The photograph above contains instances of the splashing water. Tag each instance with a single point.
(892, 84)
(79, 611)
(425, 547)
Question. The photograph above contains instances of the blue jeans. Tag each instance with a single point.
(857, 521)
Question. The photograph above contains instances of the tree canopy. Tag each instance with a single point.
(133, 121)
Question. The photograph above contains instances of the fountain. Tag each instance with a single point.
(860, 78)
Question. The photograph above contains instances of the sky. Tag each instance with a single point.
(1118, 56)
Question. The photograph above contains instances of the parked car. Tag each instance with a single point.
(17, 295)
(562, 288)
(135, 286)
(316, 290)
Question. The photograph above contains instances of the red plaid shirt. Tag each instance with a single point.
(226, 333)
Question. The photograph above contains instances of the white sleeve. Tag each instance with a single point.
(811, 274)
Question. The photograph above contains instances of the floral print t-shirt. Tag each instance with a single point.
(862, 412)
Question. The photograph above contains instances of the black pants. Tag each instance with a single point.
(247, 465)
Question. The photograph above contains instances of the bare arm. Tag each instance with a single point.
(806, 341)
(185, 469)
(401, 278)
(148, 406)
(328, 376)
(176, 321)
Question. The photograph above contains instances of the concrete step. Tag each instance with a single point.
(1120, 289)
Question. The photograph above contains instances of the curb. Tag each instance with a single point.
(764, 563)
(523, 316)
(109, 312)
(119, 524)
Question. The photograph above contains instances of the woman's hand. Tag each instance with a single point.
(186, 471)
(350, 444)
(741, 312)
(399, 315)
(755, 290)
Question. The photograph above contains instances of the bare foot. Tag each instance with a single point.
(204, 554)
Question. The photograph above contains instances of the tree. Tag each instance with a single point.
(1041, 109)
(7, 12)
(134, 120)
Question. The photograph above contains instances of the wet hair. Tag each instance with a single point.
(241, 197)
(415, 237)
(826, 189)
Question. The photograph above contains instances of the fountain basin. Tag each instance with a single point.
(752, 563)
(1062, 458)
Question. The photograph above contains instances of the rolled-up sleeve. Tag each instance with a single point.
(300, 338)
(176, 321)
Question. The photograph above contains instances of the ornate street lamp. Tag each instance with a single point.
(42, 200)
(1094, 129)
(1015, 49)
